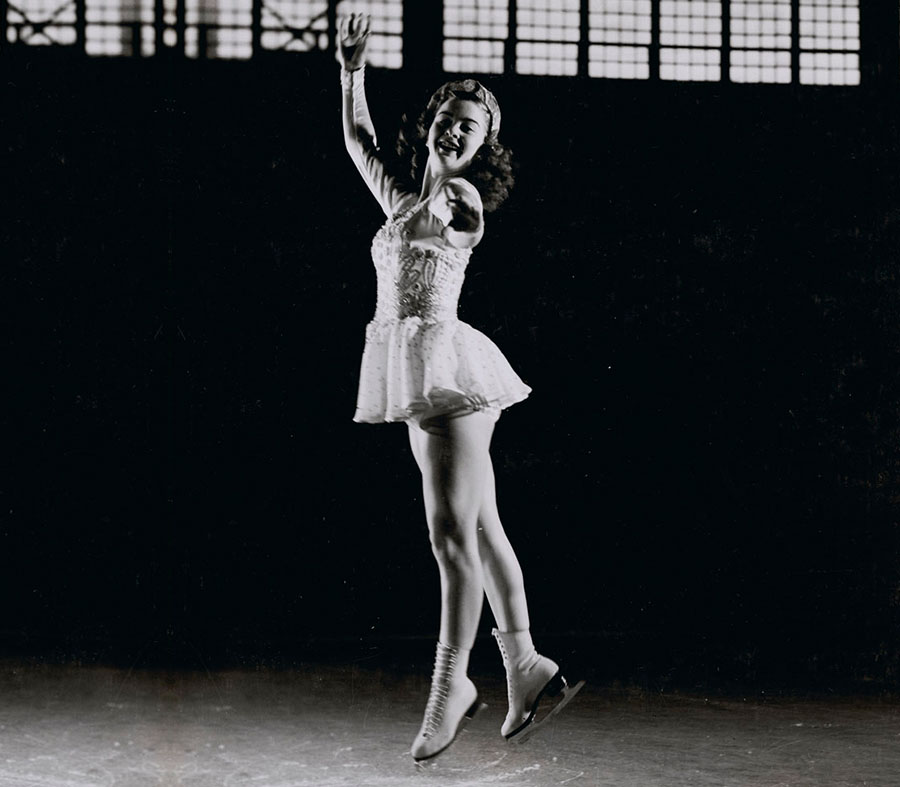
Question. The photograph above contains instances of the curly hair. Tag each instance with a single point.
(490, 171)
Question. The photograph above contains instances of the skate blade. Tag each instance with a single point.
(565, 696)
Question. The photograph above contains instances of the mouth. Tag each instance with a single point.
(448, 147)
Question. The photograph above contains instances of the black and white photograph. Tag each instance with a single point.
(465, 393)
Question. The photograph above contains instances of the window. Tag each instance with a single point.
(619, 38)
(295, 25)
(829, 42)
(41, 22)
(760, 38)
(475, 33)
(119, 27)
(690, 37)
(814, 42)
(547, 34)
(218, 28)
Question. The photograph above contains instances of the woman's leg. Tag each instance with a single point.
(503, 582)
(501, 573)
(453, 460)
(530, 676)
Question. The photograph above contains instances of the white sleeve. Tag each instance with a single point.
(362, 145)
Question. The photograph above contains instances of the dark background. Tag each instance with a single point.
(699, 281)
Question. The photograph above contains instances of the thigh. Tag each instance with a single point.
(455, 465)
(488, 515)
(415, 442)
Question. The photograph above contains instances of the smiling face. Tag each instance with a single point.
(459, 129)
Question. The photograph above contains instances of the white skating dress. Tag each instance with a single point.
(420, 361)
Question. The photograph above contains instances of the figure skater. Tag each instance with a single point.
(448, 382)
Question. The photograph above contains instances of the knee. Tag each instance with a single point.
(453, 536)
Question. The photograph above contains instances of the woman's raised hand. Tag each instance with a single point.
(352, 32)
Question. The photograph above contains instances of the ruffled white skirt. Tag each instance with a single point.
(415, 370)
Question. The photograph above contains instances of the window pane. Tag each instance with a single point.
(27, 20)
(694, 23)
(223, 24)
(119, 27)
(548, 32)
(475, 33)
(764, 30)
(695, 28)
(828, 30)
(829, 68)
(619, 33)
(690, 65)
(619, 62)
(295, 25)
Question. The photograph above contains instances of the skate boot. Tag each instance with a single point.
(452, 703)
(533, 682)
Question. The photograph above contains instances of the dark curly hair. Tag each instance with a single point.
(490, 171)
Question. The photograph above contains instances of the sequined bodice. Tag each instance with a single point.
(415, 281)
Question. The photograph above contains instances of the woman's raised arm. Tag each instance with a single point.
(359, 131)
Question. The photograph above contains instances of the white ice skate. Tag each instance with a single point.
(536, 688)
(452, 703)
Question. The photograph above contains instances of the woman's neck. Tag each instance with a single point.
(431, 183)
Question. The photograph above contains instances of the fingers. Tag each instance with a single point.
(463, 205)
(361, 23)
(463, 193)
(354, 27)
(478, 401)
(465, 216)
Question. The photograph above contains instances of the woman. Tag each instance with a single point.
(448, 382)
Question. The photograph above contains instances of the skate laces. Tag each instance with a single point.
(510, 688)
(503, 654)
(444, 663)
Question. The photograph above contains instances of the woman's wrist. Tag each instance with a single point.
(349, 76)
